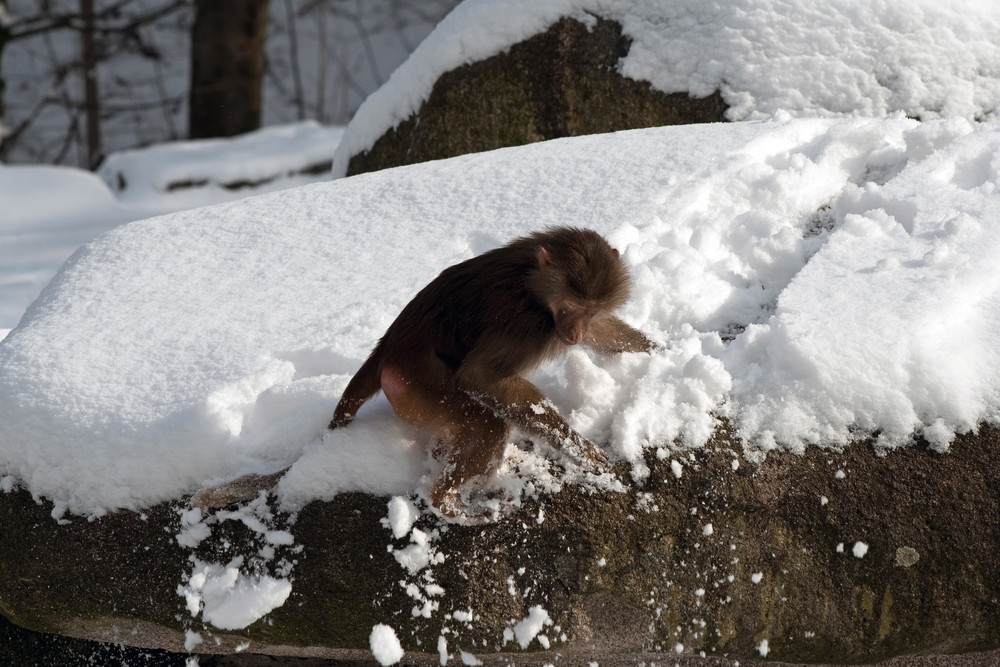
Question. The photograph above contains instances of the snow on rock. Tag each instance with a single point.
(813, 281)
(35, 235)
(385, 645)
(230, 600)
(926, 59)
(207, 171)
(402, 515)
(532, 624)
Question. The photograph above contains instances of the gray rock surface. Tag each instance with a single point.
(561, 83)
(616, 572)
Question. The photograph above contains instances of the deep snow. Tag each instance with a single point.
(812, 280)
(46, 212)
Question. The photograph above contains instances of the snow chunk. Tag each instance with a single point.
(385, 645)
(860, 549)
(529, 627)
(402, 515)
(230, 600)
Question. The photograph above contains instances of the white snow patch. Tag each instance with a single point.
(186, 350)
(529, 627)
(402, 515)
(230, 600)
(385, 645)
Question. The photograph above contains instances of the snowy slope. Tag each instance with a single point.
(812, 280)
(46, 212)
(925, 59)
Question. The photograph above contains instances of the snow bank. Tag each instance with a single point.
(208, 171)
(46, 213)
(926, 59)
(813, 280)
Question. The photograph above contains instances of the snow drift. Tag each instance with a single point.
(812, 280)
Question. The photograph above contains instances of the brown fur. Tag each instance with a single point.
(452, 363)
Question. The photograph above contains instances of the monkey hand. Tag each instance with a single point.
(587, 453)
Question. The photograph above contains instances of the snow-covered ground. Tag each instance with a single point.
(814, 276)
(47, 212)
(812, 280)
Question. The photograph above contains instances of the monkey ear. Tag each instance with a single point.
(616, 252)
(544, 258)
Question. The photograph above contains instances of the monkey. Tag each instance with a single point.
(453, 362)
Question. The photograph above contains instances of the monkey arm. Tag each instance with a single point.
(609, 335)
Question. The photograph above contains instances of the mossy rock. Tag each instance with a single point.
(616, 572)
(560, 83)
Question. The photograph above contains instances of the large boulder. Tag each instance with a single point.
(560, 83)
(831, 556)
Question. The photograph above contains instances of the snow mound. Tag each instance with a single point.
(813, 281)
(207, 171)
(926, 59)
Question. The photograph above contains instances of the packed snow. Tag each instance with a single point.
(925, 59)
(813, 281)
(385, 645)
(229, 599)
(46, 213)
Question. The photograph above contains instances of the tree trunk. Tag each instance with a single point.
(227, 67)
(91, 101)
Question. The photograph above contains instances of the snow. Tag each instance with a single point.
(385, 645)
(926, 59)
(529, 627)
(859, 550)
(402, 515)
(39, 230)
(814, 281)
(230, 600)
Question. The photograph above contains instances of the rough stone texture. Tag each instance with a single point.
(561, 83)
(928, 582)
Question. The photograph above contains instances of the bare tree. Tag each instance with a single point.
(91, 103)
(227, 67)
(326, 56)
(66, 45)
(322, 58)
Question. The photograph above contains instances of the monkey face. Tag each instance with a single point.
(572, 321)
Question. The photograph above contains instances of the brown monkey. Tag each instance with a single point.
(453, 361)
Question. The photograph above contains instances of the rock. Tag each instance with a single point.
(726, 557)
(561, 83)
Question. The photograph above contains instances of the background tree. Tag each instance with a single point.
(322, 58)
(227, 67)
(56, 89)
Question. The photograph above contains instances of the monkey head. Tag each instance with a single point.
(579, 276)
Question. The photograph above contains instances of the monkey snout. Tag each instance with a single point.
(572, 336)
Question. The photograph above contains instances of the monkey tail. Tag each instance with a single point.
(365, 384)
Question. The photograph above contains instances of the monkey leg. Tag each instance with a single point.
(474, 440)
(519, 402)
(471, 436)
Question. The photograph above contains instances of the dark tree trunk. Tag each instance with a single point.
(91, 101)
(227, 67)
